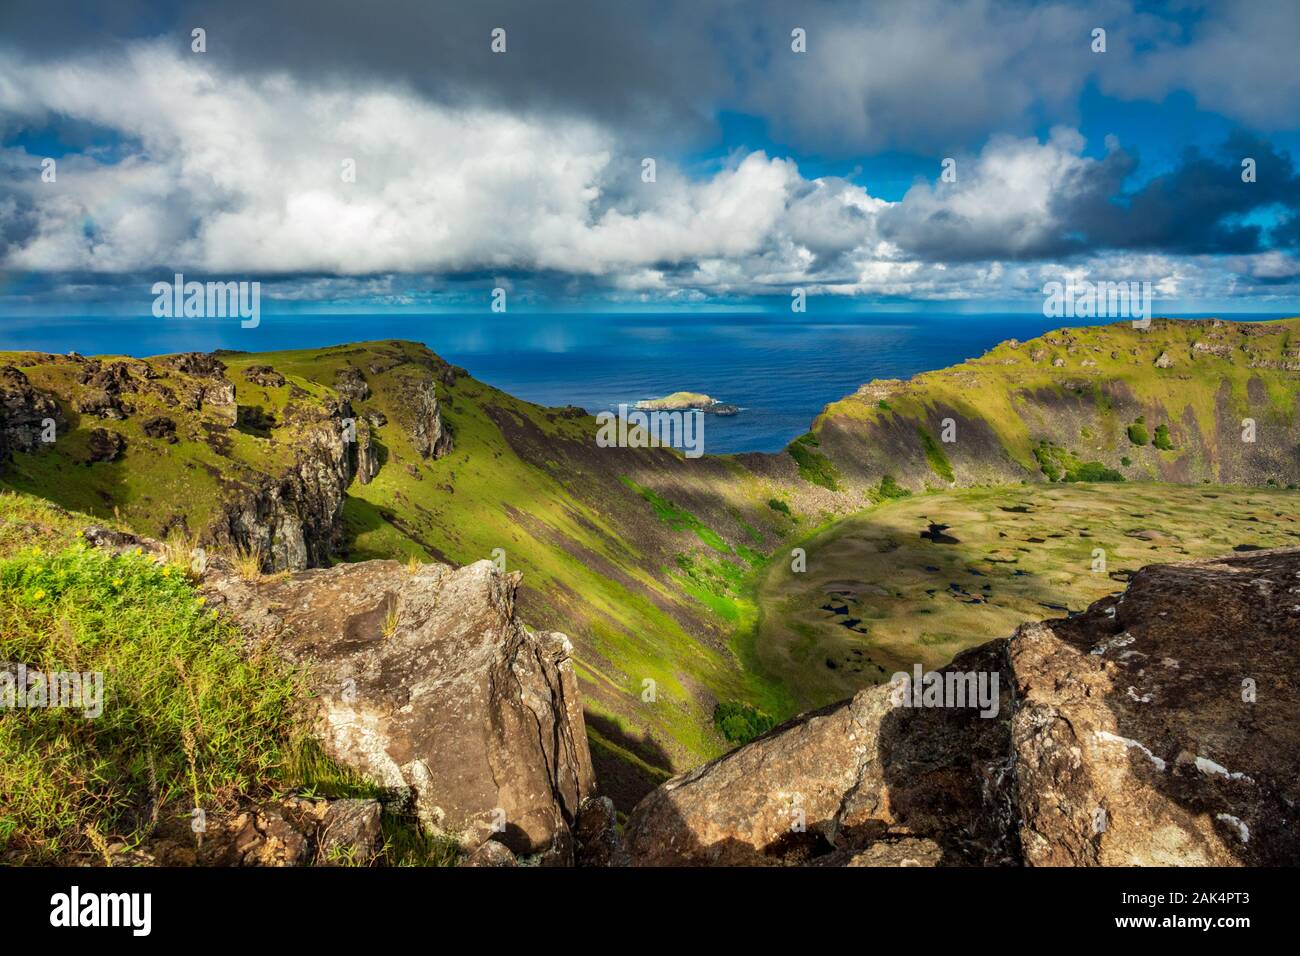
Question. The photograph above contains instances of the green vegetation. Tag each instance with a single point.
(935, 457)
(189, 719)
(1162, 439)
(741, 723)
(1060, 464)
(527, 479)
(405, 841)
(814, 467)
(1137, 433)
(679, 519)
(880, 598)
(889, 488)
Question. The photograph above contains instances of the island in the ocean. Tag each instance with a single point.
(682, 401)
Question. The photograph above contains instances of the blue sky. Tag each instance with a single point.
(775, 169)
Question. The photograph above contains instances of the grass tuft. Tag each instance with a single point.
(189, 717)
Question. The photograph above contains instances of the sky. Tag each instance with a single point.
(890, 155)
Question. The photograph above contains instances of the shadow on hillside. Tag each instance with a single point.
(59, 473)
(622, 780)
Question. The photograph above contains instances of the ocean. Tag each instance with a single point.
(781, 370)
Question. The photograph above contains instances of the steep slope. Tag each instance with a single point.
(648, 560)
(442, 468)
(1046, 407)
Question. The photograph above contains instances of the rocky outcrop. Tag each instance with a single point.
(422, 419)
(289, 832)
(161, 427)
(295, 520)
(351, 384)
(264, 375)
(831, 785)
(428, 684)
(598, 841)
(206, 387)
(24, 414)
(104, 445)
(1157, 728)
(1160, 727)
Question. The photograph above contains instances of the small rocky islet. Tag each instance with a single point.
(687, 401)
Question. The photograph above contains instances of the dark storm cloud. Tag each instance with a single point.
(654, 66)
(1197, 208)
(1194, 209)
(925, 74)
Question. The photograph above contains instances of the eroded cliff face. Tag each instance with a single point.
(24, 414)
(1157, 728)
(1228, 394)
(294, 520)
(262, 469)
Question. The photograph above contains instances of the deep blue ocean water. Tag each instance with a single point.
(780, 369)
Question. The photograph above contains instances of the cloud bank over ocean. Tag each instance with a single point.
(291, 151)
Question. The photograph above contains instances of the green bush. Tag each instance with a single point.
(1162, 439)
(813, 466)
(1093, 471)
(1137, 433)
(776, 504)
(1060, 464)
(741, 723)
(890, 488)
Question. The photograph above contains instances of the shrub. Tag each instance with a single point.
(1060, 464)
(740, 723)
(890, 488)
(813, 466)
(776, 504)
(1162, 439)
(1137, 433)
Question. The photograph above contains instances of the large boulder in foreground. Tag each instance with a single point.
(829, 786)
(428, 684)
(1160, 727)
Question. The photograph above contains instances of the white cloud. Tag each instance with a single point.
(237, 176)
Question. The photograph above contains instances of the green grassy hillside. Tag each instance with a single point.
(650, 562)
(1081, 390)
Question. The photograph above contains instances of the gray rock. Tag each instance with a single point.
(423, 419)
(596, 835)
(491, 853)
(1124, 736)
(104, 445)
(427, 682)
(23, 413)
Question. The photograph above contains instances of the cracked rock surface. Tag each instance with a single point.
(1159, 727)
(429, 685)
